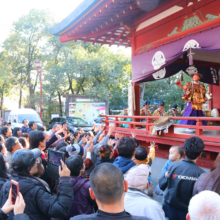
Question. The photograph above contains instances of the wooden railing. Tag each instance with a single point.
(137, 121)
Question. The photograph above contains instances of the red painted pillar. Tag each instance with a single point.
(137, 98)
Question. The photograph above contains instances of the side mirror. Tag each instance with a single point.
(15, 121)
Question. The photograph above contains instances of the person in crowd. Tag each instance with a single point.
(75, 149)
(204, 206)
(76, 137)
(60, 145)
(65, 132)
(107, 189)
(4, 124)
(39, 203)
(160, 111)
(18, 208)
(3, 149)
(12, 144)
(137, 202)
(56, 127)
(175, 154)
(2, 140)
(106, 155)
(3, 171)
(24, 126)
(126, 150)
(209, 181)
(16, 132)
(23, 142)
(6, 132)
(40, 172)
(181, 179)
(141, 157)
(9, 124)
(26, 136)
(32, 126)
(82, 203)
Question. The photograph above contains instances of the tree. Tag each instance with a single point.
(25, 45)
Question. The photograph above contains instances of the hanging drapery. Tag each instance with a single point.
(159, 63)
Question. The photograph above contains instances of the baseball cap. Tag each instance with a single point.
(75, 149)
(22, 159)
(4, 123)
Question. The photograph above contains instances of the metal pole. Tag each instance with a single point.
(40, 96)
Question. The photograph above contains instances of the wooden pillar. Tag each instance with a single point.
(137, 98)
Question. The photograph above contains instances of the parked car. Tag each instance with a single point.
(101, 120)
(72, 122)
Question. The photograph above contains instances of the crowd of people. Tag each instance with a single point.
(102, 177)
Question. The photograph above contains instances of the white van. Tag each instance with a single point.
(16, 117)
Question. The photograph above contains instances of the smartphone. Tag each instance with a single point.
(14, 190)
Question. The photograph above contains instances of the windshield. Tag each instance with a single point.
(77, 121)
(29, 117)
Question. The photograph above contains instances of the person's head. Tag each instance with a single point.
(24, 161)
(40, 168)
(6, 132)
(54, 127)
(126, 147)
(60, 145)
(161, 105)
(40, 128)
(176, 153)
(9, 124)
(105, 152)
(16, 132)
(46, 135)
(37, 140)
(23, 142)
(32, 125)
(137, 178)
(3, 169)
(107, 186)
(204, 206)
(66, 153)
(193, 147)
(12, 144)
(75, 149)
(3, 149)
(25, 123)
(141, 154)
(64, 125)
(76, 135)
(2, 140)
(174, 106)
(5, 124)
(26, 136)
(75, 165)
(196, 78)
(145, 105)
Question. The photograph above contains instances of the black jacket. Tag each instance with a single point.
(3, 216)
(2, 182)
(40, 205)
(108, 216)
(181, 180)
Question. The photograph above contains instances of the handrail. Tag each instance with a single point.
(146, 121)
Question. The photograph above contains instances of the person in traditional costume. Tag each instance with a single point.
(145, 111)
(194, 95)
(173, 112)
(160, 111)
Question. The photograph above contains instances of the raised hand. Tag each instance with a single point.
(152, 145)
(64, 171)
(90, 141)
(89, 149)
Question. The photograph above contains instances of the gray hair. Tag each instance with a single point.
(55, 126)
(205, 206)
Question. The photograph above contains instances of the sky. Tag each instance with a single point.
(12, 10)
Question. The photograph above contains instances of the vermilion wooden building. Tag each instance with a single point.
(161, 34)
